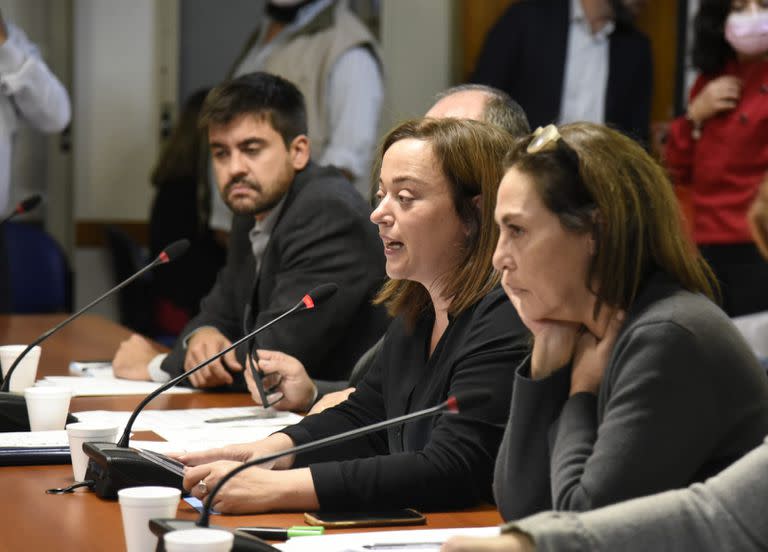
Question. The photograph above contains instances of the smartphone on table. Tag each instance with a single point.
(406, 516)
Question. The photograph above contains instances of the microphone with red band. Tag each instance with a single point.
(243, 541)
(13, 414)
(115, 466)
(24, 206)
(318, 294)
(452, 405)
(172, 252)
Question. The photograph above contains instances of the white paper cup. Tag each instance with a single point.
(47, 407)
(140, 504)
(202, 539)
(25, 373)
(87, 432)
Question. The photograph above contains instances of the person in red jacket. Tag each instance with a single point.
(719, 148)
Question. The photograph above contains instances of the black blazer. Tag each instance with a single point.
(323, 235)
(433, 463)
(524, 55)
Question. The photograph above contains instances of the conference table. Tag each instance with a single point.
(34, 520)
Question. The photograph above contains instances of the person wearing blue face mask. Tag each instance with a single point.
(718, 151)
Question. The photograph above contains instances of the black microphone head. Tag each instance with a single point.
(174, 251)
(319, 294)
(30, 203)
(467, 400)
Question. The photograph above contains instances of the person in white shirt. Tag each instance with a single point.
(31, 93)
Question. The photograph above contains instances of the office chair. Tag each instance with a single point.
(41, 278)
(134, 300)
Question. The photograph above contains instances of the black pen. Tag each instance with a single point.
(283, 533)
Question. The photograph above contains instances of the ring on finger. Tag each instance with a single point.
(202, 487)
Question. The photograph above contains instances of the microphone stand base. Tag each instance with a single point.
(112, 468)
(242, 543)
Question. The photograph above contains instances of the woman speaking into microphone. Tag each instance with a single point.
(453, 331)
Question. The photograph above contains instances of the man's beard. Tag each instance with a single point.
(257, 207)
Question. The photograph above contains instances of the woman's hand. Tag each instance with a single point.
(243, 453)
(720, 94)
(512, 542)
(253, 490)
(289, 378)
(235, 453)
(553, 346)
(591, 356)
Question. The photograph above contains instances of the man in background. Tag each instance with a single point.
(296, 225)
(333, 59)
(29, 93)
(572, 60)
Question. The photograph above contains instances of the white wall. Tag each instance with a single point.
(115, 128)
(125, 68)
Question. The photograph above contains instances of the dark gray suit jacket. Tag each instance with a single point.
(323, 235)
(682, 397)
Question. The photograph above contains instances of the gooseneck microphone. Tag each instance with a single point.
(13, 414)
(114, 466)
(172, 252)
(24, 206)
(317, 295)
(451, 405)
(243, 541)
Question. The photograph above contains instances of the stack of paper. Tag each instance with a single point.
(198, 428)
(104, 386)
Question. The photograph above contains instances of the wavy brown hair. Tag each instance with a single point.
(596, 180)
(469, 154)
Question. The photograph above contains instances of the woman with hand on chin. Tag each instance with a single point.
(637, 382)
(454, 331)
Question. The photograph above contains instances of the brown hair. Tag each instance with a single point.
(179, 159)
(597, 180)
(265, 96)
(469, 154)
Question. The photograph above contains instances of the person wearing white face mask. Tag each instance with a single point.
(719, 151)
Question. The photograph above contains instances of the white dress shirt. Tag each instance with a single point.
(28, 91)
(586, 70)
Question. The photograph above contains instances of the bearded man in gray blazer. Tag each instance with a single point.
(297, 225)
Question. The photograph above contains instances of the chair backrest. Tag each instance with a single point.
(41, 280)
(134, 300)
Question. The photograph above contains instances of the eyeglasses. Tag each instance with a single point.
(258, 375)
(549, 140)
